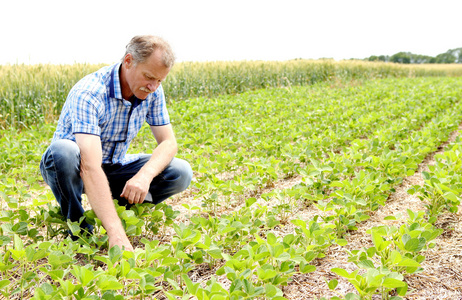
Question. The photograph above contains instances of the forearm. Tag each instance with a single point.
(136, 189)
(160, 159)
(100, 198)
(98, 191)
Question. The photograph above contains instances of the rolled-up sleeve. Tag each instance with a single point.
(84, 113)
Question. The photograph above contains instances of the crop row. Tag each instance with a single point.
(398, 251)
(349, 154)
(234, 152)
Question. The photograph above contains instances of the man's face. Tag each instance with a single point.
(144, 78)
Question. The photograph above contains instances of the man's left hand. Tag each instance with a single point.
(136, 189)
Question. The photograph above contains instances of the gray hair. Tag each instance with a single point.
(142, 46)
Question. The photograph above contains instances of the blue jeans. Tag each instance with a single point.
(60, 168)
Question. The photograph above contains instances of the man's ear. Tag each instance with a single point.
(128, 60)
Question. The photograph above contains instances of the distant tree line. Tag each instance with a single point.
(453, 56)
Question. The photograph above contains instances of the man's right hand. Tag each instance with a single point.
(120, 240)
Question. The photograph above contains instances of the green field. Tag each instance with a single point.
(285, 174)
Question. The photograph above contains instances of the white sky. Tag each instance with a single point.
(94, 31)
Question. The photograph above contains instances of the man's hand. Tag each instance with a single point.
(120, 240)
(136, 189)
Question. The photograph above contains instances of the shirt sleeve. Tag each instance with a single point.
(157, 114)
(84, 113)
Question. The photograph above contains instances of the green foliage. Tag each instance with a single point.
(348, 147)
(396, 252)
(449, 57)
(442, 184)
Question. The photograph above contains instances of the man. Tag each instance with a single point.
(102, 114)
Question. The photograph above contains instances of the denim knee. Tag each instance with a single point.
(62, 157)
(184, 173)
(66, 153)
(60, 168)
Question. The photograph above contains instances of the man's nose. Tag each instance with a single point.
(153, 86)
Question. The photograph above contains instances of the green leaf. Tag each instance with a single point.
(221, 271)
(181, 255)
(408, 262)
(271, 238)
(395, 257)
(392, 283)
(377, 240)
(133, 274)
(415, 244)
(410, 172)
(366, 264)
(115, 253)
(250, 201)
(288, 239)
(107, 282)
(299, 223)
(68, 287)
(4, 283)
(215, 253)
(341, 272)
(325, 168)
(169, 261)
(402, 291)
(47, 288)
(54, 274)
(266, 274)
(248, 287)
(306, 268)
(17, 243)
(451, 196)
(271, 290)
(332, 284)
(83, 275)
(310, 255)
(336, 184)
(192, 287)
(371, 251)
(351, 296)
(284, 256)
(341, 242)
(235, 285)
(315, 163)
(4, 240)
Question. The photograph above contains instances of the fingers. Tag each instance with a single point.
(127, 247)
(122, 242)
(133, 195)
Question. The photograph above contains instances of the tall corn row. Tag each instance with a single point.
(33, 94)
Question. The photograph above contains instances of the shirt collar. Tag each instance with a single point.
(115, 91)
(114, 84)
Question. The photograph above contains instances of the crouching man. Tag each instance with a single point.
(102, 114)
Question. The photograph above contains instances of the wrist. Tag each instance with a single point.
(145, 175)
(115, 229)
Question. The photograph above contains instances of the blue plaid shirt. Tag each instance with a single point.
(95, 106)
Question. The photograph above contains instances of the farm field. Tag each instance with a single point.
(336, 190)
